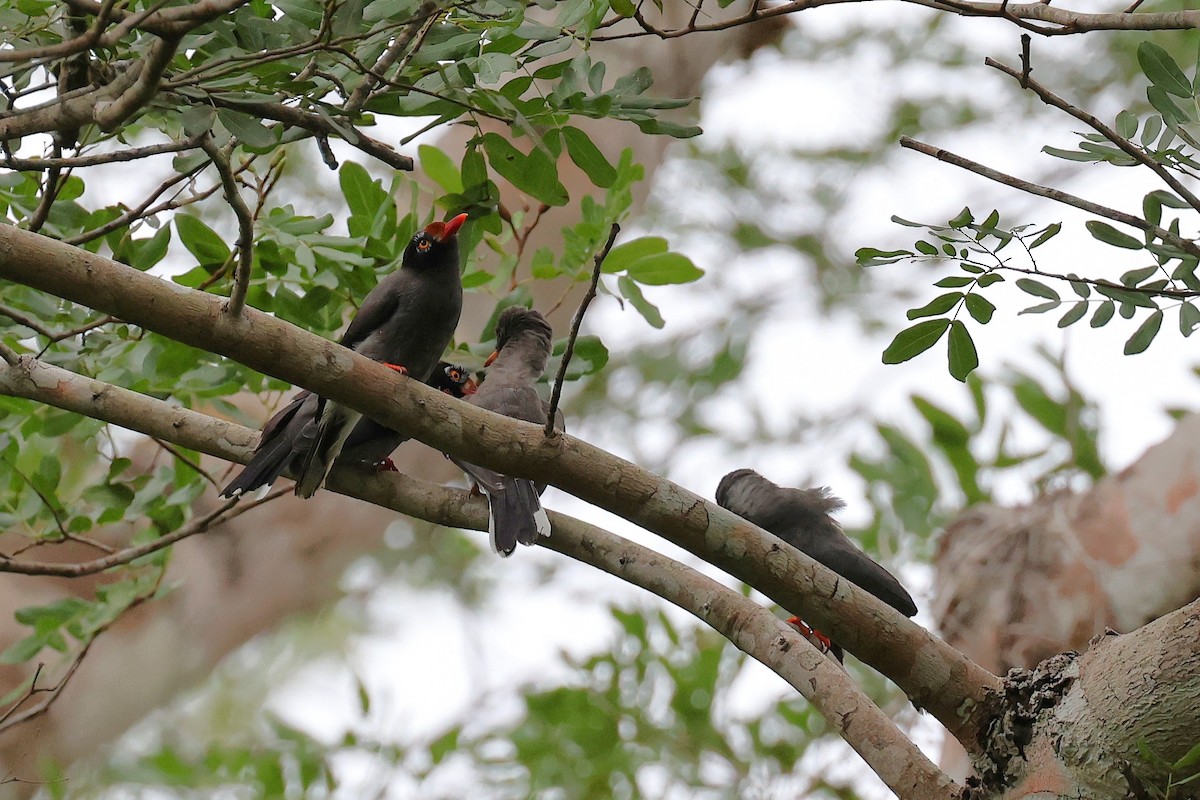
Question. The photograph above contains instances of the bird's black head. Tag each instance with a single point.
(452, 379)
(436, 245)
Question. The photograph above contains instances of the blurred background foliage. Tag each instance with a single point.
(771, 207)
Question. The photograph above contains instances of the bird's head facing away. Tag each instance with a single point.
(756, 499)
(522, 333)
(436, 245)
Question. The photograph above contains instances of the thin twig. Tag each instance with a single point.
(51, 186)
(222, 514)
(412, 34)
(556, 395)
(9, 355)
(8, 721)
(132, 154)
(1132, 150)
(28, 322)
(1057, 195)
(181, 458)
(241, 280)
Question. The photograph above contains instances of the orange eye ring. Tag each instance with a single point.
(423, 246)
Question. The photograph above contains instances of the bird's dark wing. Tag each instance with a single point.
(836, 551)
(380, 303)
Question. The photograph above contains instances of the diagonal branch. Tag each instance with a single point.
(241, 281)
(958, 692)
(1133, 151)
(1186, 245)
(556, 394)
(749, 626)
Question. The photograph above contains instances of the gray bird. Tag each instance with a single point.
(522, 348)
(406, 322)
(801, 517)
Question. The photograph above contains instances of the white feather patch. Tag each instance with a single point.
(541, 521)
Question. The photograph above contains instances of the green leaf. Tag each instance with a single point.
(150, 251)
(535, 174)
(1046, 235)
(1127, 124)
(663, 269)
(1110, 235)
(1069, 155)
(440, 168)
(363, 195)
(201, 241)
(964, 218)
(1030, 286)
(937, 306)
(1188, 760)
(1145, 334)
(980, 308)
(926, 248)
(913, 341)
(1189, 318)
(871, 257)
(1073, 315)
(961, 351)
(1135, 276)
(1104, 312)
(626, 253)
(248, 129)
(954, 282)
(631, 292)
(1162, 70)
(588, 157)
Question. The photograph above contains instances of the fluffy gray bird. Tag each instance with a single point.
(522, 348)
(801, 517)
(406, 322)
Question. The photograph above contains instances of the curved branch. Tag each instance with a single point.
(749, 626)
(960, 693)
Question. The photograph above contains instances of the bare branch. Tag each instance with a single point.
(412, 35)
(315, 124)
(132, 154)
(556, 395)
(241, 281)
(939, 678)
(1133, 151)
(223, 513)
(1057, 195)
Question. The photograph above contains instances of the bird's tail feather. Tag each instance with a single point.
(268, 463)
(335, 426)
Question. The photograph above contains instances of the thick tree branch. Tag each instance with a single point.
(936, 676)
(752, 628)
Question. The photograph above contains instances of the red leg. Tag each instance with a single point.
(809, 632)
(397, 367)
(387, 465)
